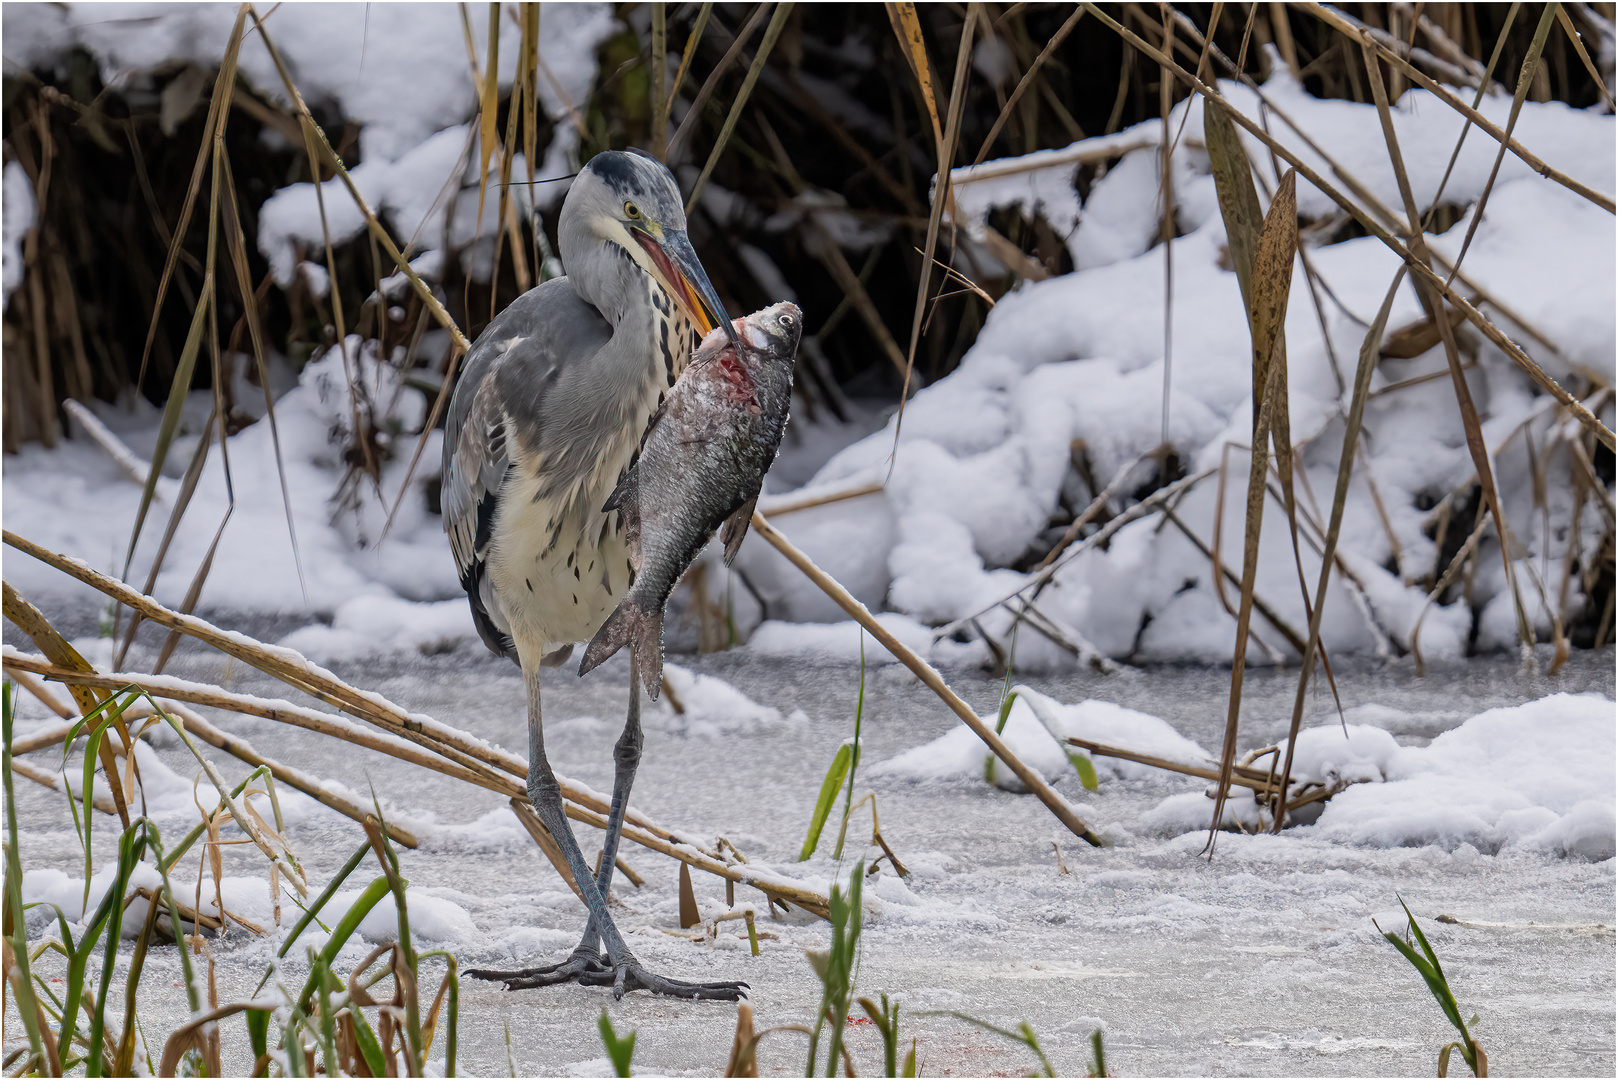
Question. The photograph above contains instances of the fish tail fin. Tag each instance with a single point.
(648, 646)
(614, 634)
(642, 630)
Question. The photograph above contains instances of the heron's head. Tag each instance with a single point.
(633, 202)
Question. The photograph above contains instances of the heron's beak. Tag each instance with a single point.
(686, 281)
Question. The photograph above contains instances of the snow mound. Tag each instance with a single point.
(376, 625)
(839, 641)
(960, 754)
(1536, 777)
(712, 707)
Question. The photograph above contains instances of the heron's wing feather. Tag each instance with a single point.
(495, 421)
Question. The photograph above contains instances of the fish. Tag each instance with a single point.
(700, 468)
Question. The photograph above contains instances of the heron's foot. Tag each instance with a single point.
(629, 975)
(587, 966)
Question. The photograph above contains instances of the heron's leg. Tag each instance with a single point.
(627, 974)
(621, 970)
(545, 794)
(626, 760)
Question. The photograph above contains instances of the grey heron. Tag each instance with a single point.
(548, 415)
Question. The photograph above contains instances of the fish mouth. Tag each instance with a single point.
(686, 281)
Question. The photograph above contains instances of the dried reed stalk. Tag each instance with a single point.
(56, 783)
(31, 621)
(787, 504)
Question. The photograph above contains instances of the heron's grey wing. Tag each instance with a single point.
(529, 343)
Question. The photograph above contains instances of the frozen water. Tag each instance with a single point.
(1131, 937)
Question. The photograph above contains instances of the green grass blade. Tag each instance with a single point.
(350, 922)
(369, 1045)
(619, 1050)
(1086, 770)
(1008, 698)
(828, 795)
(14, 922)
(854, 760)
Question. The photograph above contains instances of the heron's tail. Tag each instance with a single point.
(642, 631)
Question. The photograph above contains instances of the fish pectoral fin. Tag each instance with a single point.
(735, 529)
(622, 494)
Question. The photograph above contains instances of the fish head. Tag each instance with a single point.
(768, 334)
(774, 331)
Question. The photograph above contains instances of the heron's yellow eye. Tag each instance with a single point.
(632, 210)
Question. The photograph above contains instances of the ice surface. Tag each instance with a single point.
(987, 922)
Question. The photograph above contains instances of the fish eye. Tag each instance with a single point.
(786, 320)
(632, 210)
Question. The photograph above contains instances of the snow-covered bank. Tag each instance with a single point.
(1061, 396)
(1074, 366)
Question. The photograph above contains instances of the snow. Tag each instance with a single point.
(960, 754)
(1060, 394)
(710, 706)
(1077, 361)
(978, 480)
(16, 219)
(397, 71)
(1496, 815)
(377, 625)
(838, 641)
(1537, 776)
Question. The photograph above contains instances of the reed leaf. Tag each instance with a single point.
(714, 76)
(1266, 311)
(907, 28)
(661, 119)
(841, 763)
(1370, 353)
(488, 106)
